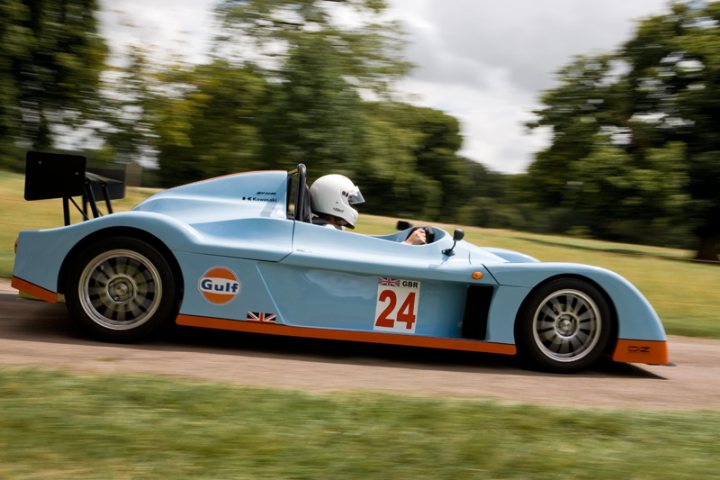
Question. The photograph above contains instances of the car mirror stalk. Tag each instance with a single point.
(457, 236)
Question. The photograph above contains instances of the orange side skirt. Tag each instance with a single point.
(352, 336)
(33, 290)
(641, 351)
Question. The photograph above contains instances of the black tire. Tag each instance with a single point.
(121, 289)
(563, 326)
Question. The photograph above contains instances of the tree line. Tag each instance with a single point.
(632, 156)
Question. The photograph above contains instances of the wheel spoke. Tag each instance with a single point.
(572, 304)
(582, 336)
(121, 265)
(576, 344)
(119, 313)
(107, 269)
(136, 309)
(548, 312)
(556, 306)
(100, 278)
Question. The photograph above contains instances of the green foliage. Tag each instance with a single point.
(674, 74)
(575, 110)
(635, 145)
(316, 113)
(409, 162)
(289, 82)
(212, 127)
(50, 62)
(366, 50)
(615, 194)
(285, 87)
(124, 111)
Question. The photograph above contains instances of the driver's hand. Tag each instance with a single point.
(418, 237)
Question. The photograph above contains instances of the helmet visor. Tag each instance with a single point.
(355, 197)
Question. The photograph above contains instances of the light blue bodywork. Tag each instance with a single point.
(311, 276)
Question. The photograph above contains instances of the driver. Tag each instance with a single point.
(332, 198)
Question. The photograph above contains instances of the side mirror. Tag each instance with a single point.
(403, 225)
(457, 236)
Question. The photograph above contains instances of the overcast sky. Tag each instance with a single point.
(485, 62)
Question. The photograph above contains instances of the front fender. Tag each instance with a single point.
(637, 319)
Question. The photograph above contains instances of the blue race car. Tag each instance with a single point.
(239, 253)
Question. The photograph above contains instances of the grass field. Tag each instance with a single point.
(59, 425)
(685, 294)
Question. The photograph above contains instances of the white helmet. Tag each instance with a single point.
(333, 195)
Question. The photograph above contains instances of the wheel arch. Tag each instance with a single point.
(614, 325)
(109, 232)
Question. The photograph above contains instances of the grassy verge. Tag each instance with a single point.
(58, 425)
(684, 293)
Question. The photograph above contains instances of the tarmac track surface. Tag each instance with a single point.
(42, 335)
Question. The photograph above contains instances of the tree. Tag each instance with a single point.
(438, 141)
(675, 80)
(124, 111)
(315, 116)
(634, 133)
(616, 196)
(207, 121)
(318, 68)
(387, 170)
(576, 111)
(50, 63)
(12, 40)
(266, 32)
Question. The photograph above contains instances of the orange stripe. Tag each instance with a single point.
(352, 336)
(641, 351)
(33, 290)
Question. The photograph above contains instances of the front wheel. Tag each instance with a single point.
(563, 326)
(121, 289)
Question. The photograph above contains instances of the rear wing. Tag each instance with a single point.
(56, 175)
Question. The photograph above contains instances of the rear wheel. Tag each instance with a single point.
(121, 289)
(563, 326)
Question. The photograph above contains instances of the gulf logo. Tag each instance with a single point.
(219, 285)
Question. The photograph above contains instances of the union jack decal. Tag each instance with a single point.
(261, 317)
(389, 282)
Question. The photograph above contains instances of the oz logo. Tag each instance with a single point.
(219, 285)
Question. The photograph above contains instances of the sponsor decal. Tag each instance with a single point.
(261, 317)
(261, 197)
(396, 305)
(638, 349)
(219, 285)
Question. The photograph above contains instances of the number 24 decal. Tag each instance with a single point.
(397, 305)
(406, 314)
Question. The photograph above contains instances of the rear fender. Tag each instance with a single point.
(41, 253)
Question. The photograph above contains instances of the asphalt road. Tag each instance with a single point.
(38, 334)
